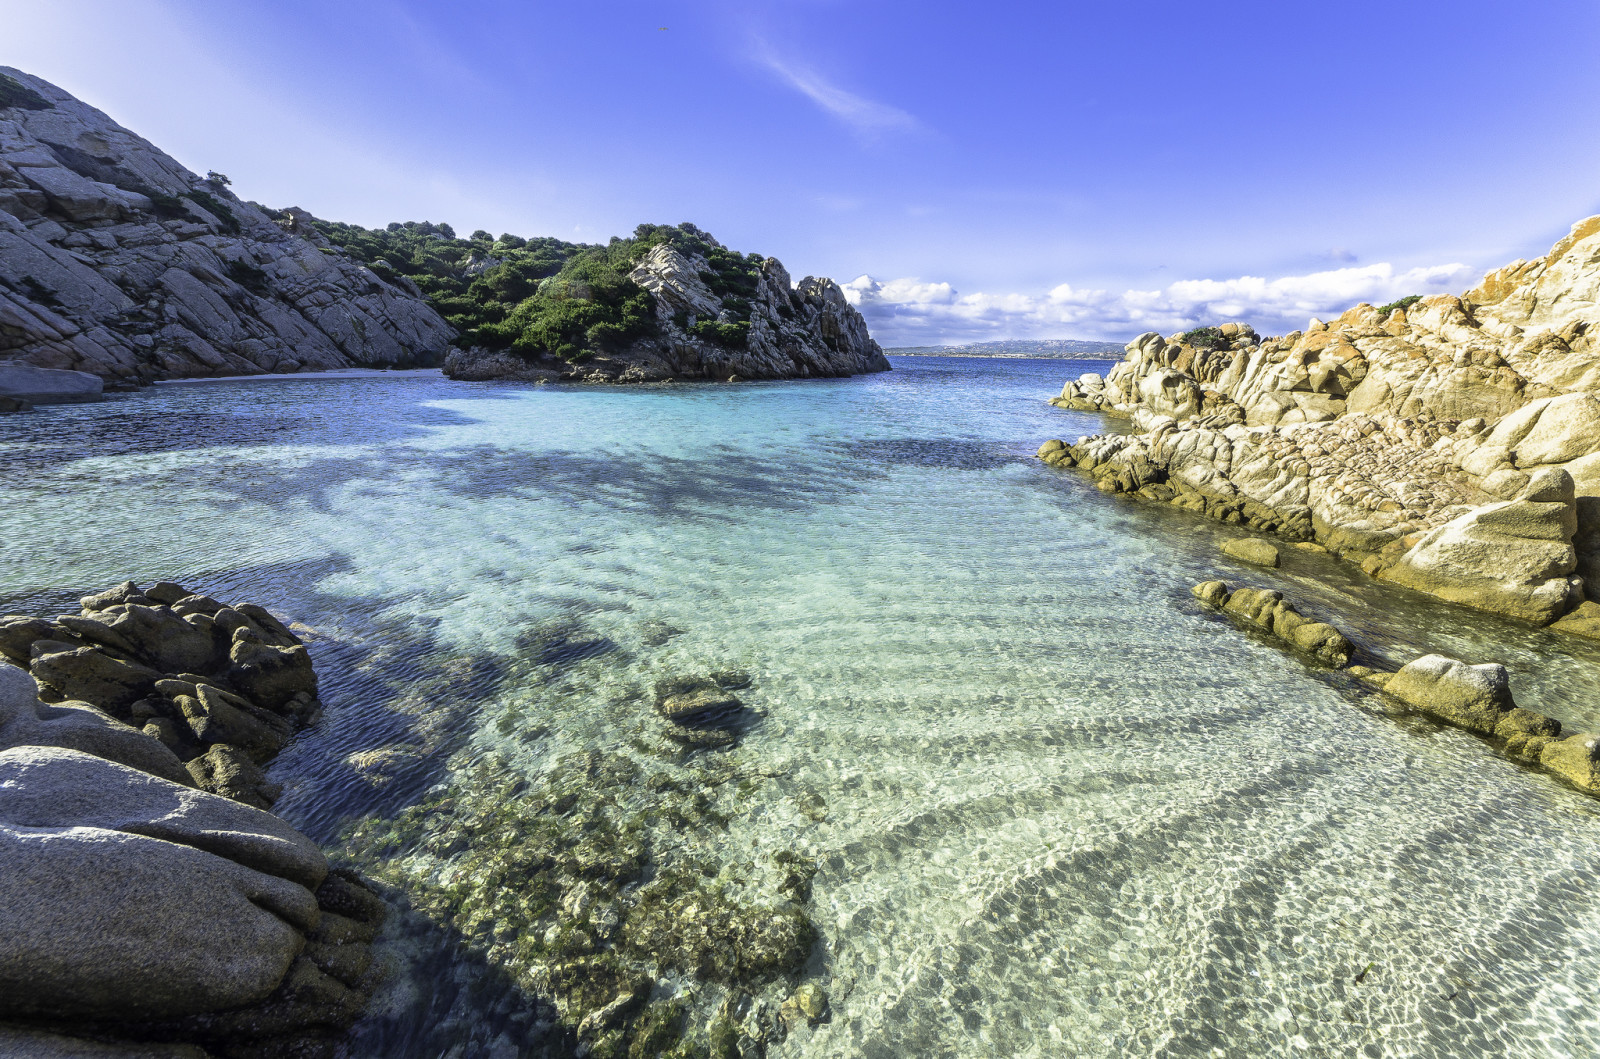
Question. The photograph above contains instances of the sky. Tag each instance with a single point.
(968, 172)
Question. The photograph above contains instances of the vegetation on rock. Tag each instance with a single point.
(1399, 303)
(547, 297)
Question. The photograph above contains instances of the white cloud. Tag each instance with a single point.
(866, 117)
(913, 312)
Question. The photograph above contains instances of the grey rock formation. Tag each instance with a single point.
(797, 331)
(161, 679)
(122, 902)
(117, 261)
(1410, 442)
(134, 906)
(48, 385)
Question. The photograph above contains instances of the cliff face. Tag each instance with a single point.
(804, 331)
(116, 260)
(1453, 446)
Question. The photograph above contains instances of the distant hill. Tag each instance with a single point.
(1038, 348)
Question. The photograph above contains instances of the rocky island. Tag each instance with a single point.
(1447, 444)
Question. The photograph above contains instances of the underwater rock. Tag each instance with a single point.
(701, 710)
(1268, 611)
(587, 883)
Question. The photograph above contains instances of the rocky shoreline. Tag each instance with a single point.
(1451, 445)
(152, 905)
(1475, 698)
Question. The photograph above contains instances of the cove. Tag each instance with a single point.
(1053, 805)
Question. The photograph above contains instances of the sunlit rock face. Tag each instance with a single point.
(118, 261)
(1410, 440)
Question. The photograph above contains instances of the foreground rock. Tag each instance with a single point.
(1452, 445)
(1476, 698)
(117, 261)
(137, 907)
(788, 331)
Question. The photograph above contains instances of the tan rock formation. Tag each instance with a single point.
(1410, 442)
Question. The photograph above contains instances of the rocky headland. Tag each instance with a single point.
(705, 313)
(117, 261)
(1448, 444)
(151, 906)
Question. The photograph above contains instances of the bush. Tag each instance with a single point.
(249, 277)
(14, 93)
(1399, 303)
(1205, 338)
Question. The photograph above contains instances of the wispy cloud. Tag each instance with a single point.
(866, 117)
(913, 312)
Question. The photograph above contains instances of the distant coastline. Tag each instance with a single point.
(1032, 349)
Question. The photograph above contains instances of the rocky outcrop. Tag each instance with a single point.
(25, 386)
(117, 261)
(1452, 445)
(147, 895)
(1476, 698)
(795, 331)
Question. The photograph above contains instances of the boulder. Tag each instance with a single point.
(88, 674)
(22, 1042)
(1575, 759)
(1476, 698)
(26, 721)
(36, 386)
(1512, 557)
(1253, 550)
(126, 896)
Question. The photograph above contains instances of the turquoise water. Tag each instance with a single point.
(1059, 808)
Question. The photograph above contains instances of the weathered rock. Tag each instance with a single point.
(1512, 557)
(37, 386)
(231, 772)
(1388, 427)
(118, 262)
(693, 701)
(269, 674)
(1575, 759)
(88, 934)
(22, 1042)
(1476, 698)
(25, 721)
(1253, 550)
(88, 674)
(1267, 610)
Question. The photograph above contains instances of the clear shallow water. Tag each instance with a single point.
(1059, 808)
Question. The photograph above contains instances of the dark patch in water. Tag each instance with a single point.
(955, 454)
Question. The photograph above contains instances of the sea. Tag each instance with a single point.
(1058, 808)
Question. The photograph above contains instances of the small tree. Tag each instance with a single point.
(217, 180)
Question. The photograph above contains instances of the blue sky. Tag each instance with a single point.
(971, 171)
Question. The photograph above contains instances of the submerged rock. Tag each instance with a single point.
(1268, 611)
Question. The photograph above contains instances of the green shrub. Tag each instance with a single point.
(249, 277)
(1399, 303)
(1205, 338)
(547, 296)
(217, 208)
(14, 93)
